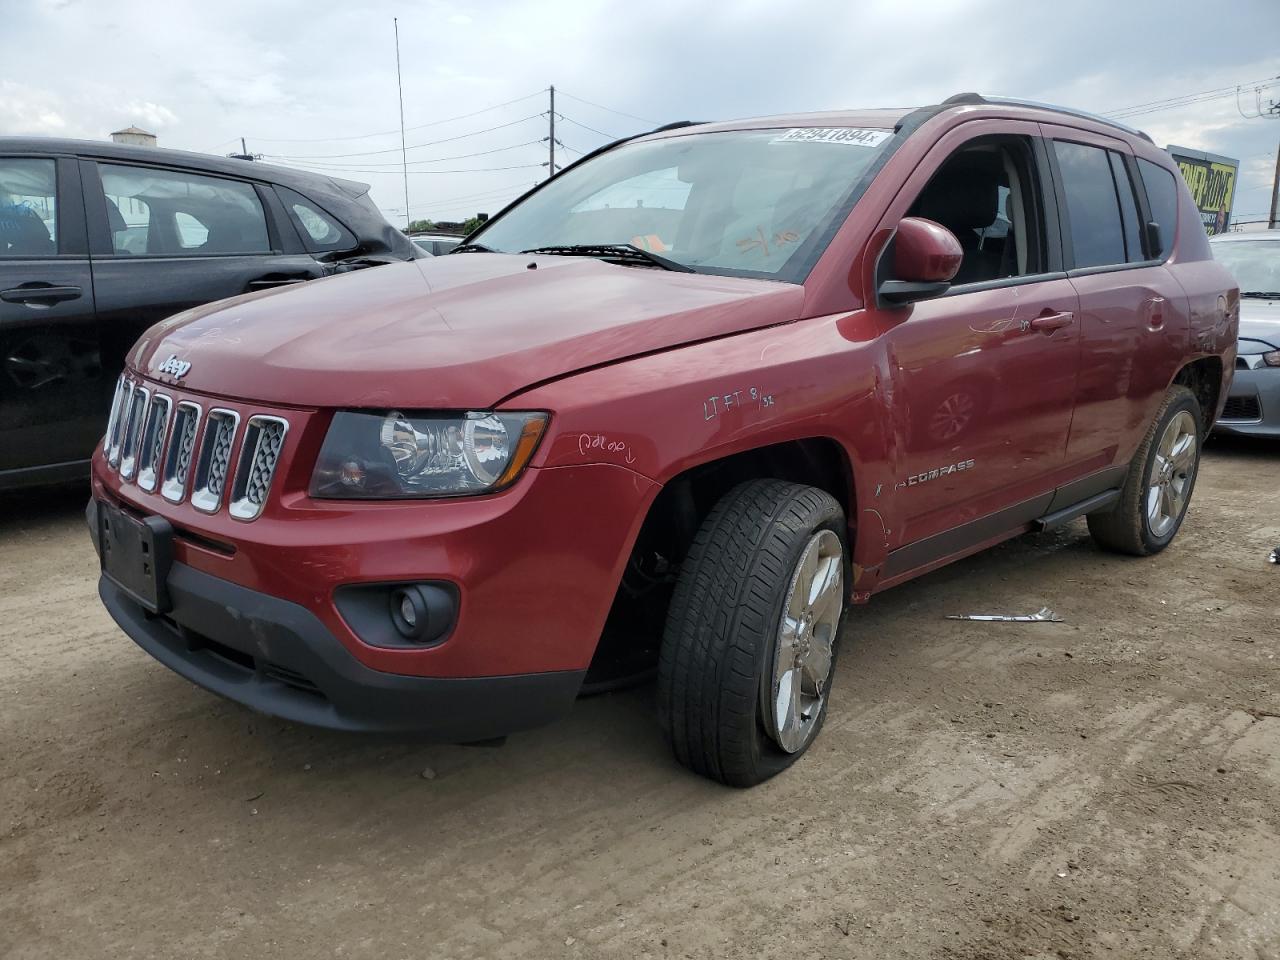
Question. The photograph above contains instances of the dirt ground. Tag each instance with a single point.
(1104, 787)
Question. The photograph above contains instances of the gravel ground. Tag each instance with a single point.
(1103, 787)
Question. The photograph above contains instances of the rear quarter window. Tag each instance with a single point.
(1162, 196)
(321, 231)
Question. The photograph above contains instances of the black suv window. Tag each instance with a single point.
(1162, 195)
(28, 208)
(154, 212)
(987, 195)
(1097, 234)
(321, 232)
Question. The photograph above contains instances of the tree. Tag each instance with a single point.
(421, 226)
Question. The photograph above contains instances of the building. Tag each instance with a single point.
(134, 135)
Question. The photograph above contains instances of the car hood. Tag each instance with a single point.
(1259, 320)
(462, 331)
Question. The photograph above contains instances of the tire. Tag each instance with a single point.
(1134, 525)
(719, 684)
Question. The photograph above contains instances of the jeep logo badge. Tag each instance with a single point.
(174, 367)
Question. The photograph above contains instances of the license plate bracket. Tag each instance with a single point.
(136, 555)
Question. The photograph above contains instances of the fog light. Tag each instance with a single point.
(407, 611)
(421, 611)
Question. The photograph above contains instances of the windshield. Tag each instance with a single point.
(761, 203)
(1254, 263)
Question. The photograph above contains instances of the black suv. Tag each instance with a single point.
(98, 241)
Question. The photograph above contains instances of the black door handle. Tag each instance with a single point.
(39, 295)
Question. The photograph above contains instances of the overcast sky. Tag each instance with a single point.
(287, 74)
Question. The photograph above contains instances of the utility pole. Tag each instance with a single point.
(1275, 195)
(551, 141)
(404, 156)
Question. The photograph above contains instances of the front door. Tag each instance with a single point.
(53, 396)
(984, 377)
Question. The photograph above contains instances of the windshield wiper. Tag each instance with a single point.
(1261, 294)
(471, 248)
(621, 252)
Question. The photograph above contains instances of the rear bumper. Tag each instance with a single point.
(1253, 405)
(278, 658)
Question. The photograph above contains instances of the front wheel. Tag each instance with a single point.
(745, 670)
(1157, 490)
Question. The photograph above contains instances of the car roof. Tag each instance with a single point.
(247, 169)
(436, 236)
(895, 118)
(1271, 234)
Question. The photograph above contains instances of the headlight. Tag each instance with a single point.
(1272, 359)
(370, 456)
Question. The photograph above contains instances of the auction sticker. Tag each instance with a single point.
(849, 135)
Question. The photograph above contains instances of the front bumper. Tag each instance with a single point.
(1253, 405)
(278, 658)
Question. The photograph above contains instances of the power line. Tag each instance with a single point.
(601, 106)
(420, 126)
(457, 156)
(578, 123)
(430, 143)
(326, 170)
(1167, 103)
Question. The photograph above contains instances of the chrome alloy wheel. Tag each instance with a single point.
(806, 642)
(1171, 472)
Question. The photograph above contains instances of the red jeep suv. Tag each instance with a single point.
(681, 405)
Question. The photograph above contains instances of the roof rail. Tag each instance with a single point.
(961, 99)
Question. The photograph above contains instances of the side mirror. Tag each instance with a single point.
(918, 262)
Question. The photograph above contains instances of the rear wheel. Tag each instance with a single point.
(749, 648)
(1157, 491)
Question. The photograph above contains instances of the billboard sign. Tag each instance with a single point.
(1212, 180)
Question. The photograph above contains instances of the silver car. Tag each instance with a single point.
(1253, 406)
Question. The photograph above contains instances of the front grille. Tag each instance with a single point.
(1242, 408)
(182, 445)
(214, 460)
(132, 433)
(263, 441)
(172, 445)
(152, 442)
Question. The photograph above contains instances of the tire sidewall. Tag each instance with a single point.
(1150, 541)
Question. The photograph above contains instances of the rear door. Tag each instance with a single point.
(52, 396)
(164, 240)
(1133, 317)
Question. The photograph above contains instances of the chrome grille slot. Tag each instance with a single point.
(132, 438)
(153, 433)
(110, 438)
(263, 442)
(125, 398)
(214, 460)
(182, 446)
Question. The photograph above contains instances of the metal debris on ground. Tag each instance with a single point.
(1275, 555)
(1045, 615)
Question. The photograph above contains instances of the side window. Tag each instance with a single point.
(1162, 195)
(1097, 235)
(1128, 209)
(321, 232)
(160, 213)
(28, 208)
(987, 194)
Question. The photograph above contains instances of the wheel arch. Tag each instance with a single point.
(677, 511)
(1203, 377)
